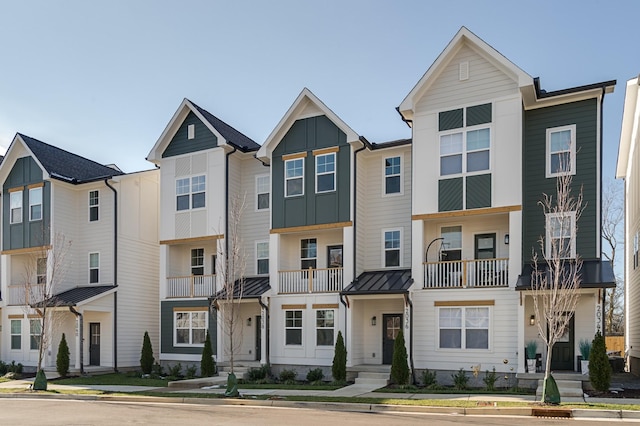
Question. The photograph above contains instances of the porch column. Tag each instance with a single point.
(274, 261)
(522, 358)
(77, 345)
(515, 247)
(348, 241)
(347, 335)
(417, 253)
(263, 336)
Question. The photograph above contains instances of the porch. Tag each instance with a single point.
(21, 294)
(191, 286)
(327, 280)
(478, 273)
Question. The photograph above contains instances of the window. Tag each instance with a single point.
(308, 253)
(293, 327)
(94, 268)
(16, 334)
(16, 207)
(294, 177)
(451, 243)
(35, 204)
(41, 270)
(392, 176)
(197, 261)
(190, 328)
(324, 327)
(262, 257)
(35, 327)
(326, 172)
(635, 250)
(392, 248)
(464, 327)
(262, 192)
(190, 193)
(94, 205)
(191, 131)
(560, 235)
(561, 150)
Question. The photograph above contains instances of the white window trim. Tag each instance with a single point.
(11, 221)
(11, 334)
(261, 258)
(90, 268)
(301, 328)
(191, 265)
(175, 329)
(258, 177)
(384, 176)
(325, 328)
(463, 328)
(547, 242)
(191, 131)
(297, 177)
(31, 219)
(335, 170)
(572, 150)
(384, 250)
(190, 193)
(92, 206)
(465, 152)
(31, 320)
(309, 258)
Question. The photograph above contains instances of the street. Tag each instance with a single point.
(18, 411)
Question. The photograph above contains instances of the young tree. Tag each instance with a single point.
(399, 366)
(612, 227)
(62, 359)
(599, 367)
(339, 366)
(146, 355)
(556, 277)
(207, 365)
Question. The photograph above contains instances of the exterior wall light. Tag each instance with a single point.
(373, 321)
(532, 320)
(506, 239)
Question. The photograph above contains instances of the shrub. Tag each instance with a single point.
(158, 370)
(429, 378)
(146, 356)
(490, 379)
(190, 373)
(176, 371)
(288, 376)
(62, 359)
(531, 349)
(207, 364)
(259, 374)
(460, 380)
(315, 375)
(15, 368)
(585, 349)
(599, 368)
(339, 366)
(399, 366)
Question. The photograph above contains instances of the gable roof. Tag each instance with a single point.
(227, 134)
(306, 105)
(64, 165)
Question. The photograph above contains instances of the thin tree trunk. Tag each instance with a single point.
(547, 373)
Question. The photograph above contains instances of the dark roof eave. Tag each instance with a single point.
(542, 94)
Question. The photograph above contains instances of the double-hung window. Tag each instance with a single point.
(294, 177)
(293, 327)
(16, 334)
(392, 176)
(451, 242)
(41, 270)
(94, 268)
(94, 205)
(324, 327)
(561, 151)
(190, 328)
(308, 253)
(392, 248)
(560, 238)
(15, 203)
(262, 192)
(190, 192)
(326, 172)
(262, 257)
(35, 327)
(35, 203)
(463, 327)
(197, 261)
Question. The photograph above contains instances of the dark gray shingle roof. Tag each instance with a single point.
(595, 273)
(65, 166)
(79, 294)
(233, 136)
(381, 282)
(254, 287)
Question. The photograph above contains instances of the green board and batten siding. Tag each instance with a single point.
(180, 143)
(307, 135)
(167, 326)
(28, 233)
(584, 115)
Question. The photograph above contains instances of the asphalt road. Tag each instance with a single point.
(38, 412)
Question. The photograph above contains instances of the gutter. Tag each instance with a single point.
(404, 119)
(266, 325)
(115, 274)
(80, 331)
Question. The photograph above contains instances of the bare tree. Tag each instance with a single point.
(612, 226)
(231, 271)
(556, 277)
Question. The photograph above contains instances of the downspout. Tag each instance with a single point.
(355, 204)
(226, 203)
(266, 325)
(80, 331)
(410, 303)
(346, 309)
(115, 274)
(604, 290)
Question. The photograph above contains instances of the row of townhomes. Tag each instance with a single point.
(431, 235)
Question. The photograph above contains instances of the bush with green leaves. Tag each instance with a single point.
(339, 365)
(146, 355)
(315, 375)
(62, 359)
(288, 376)
(207, 364)
(158, 371)
(399, 365)
(599, 367)
(175, 370)
(460, 379)
(260, 374)
(490, 379)
(15, 368)
(429, 378)
(190, 372)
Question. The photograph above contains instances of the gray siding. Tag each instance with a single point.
(166, 326)
(180, 144)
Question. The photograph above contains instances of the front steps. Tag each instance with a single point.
(567, 388)
(372, 378)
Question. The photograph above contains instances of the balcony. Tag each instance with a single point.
(22, 295)
(310, 280)
(479, 273)
(191, 286)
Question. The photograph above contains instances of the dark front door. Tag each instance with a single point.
(391, 326)
(94, 343)
(562, 355)
(484, 248)
(258, 337)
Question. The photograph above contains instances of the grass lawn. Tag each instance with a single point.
(295, 386)
(112, 379)
(471, 391)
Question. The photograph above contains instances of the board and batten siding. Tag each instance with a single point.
(584, 114)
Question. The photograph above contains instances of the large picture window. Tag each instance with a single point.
(294, 177)
(293, 327)
(326, 172)
(463, 327)
(190, 193)
(324, 327)
(15, 202)
(35, 203)
(190, 328)
(561, 151)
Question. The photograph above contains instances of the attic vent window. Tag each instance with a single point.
(464, 70)
(191, 131)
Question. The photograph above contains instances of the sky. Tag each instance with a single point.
(102, 79)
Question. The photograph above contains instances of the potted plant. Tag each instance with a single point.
(532, 348)
(585, 350)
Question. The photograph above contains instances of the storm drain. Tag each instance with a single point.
(551, 413)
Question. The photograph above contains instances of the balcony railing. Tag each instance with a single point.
(310, 280)
(479, 273)
(21, 294)
(191, 286)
